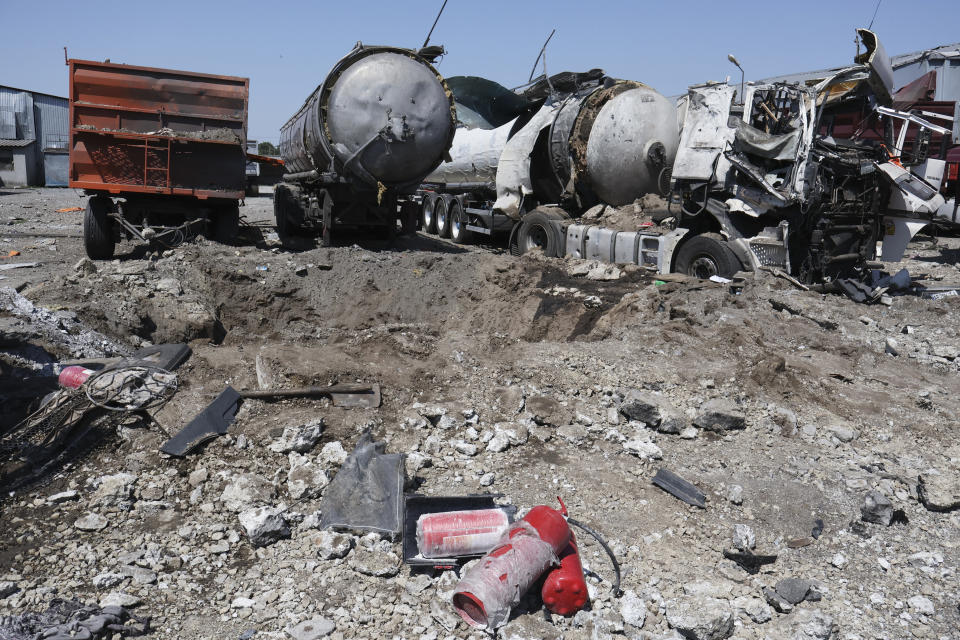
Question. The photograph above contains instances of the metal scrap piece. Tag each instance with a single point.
(209, 423)
(365, 495)
(680, 488)
(750, 562)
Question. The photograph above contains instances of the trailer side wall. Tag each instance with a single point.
(158, 131)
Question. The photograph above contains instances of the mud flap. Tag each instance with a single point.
(514, 244)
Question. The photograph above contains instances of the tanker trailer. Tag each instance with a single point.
(585, 139)
(381, 120)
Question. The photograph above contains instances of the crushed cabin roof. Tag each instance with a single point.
(15, 143)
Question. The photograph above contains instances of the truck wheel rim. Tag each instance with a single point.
(536, 238)
(704, 267)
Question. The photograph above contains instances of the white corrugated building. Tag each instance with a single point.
(945, 60)
(34, 138)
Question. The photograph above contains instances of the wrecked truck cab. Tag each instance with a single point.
(766, 181)
(737, 168)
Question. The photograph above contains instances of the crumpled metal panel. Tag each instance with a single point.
(16, 114)
(483, 103)
(705, 132)
(767, 145)
(513, 172)
(910, 194)
(475, 155)
(877, 60)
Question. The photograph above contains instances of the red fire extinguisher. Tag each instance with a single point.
(564, 591)
(488, 591)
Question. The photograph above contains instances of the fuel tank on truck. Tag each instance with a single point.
(475, 154)
(606, 141)
(632, 138)
(382, 117)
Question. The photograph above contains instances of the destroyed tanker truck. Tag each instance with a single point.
(759, 182)
(765, 183)
(381, 120)
(526, 162)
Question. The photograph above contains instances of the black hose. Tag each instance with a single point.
(603, 543)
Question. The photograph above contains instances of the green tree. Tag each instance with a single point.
(267, 149)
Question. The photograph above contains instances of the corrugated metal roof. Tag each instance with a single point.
(943, 51)
(36, 93)
(15, 143)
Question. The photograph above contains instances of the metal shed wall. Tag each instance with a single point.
(53, 117)
(16, 114)
(945, 60)
(43, 121)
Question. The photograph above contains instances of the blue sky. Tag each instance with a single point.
(286, 47)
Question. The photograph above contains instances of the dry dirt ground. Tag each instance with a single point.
(469, 343)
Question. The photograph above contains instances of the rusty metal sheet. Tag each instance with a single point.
(148, 130)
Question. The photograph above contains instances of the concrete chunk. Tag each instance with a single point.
(720, 415)
(876, 508)
(939, 492)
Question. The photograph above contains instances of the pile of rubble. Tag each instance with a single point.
(759, 461)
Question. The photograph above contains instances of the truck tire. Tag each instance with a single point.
(225, 224)
(98, 239)
(428, 222)
(538, 229)
(441, 212)
(458, 223)
(706, 255)
(284, 206)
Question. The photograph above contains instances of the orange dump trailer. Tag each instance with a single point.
(161, 153)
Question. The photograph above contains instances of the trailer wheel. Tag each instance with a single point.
(408, 218)
(458, 223)
(441, 211)
(538, 230)
(428, 222)
(706, 255)
(284, 204)
(224, 224)
(98, 237)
